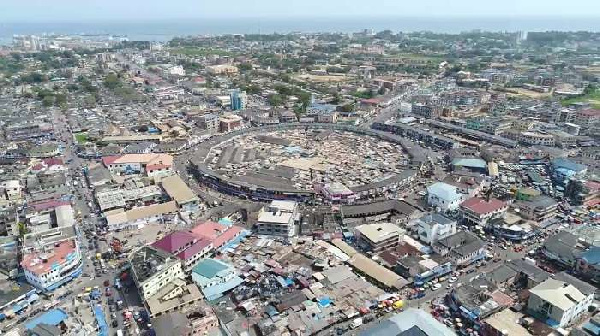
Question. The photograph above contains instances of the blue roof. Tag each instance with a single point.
(215, 292)
(226, 221)
(444, 191)
(568, 165)
(592, 328)
(209, 268)
(592, 256)
(474, 163)
(51, 317)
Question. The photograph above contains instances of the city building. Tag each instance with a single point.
(411, 322)
(378, 237)
(432, 227)
(151, 165)
(279, 218)
(137, 218)
(175, 296)
(238, 100)
(214, 278)
(222, 69)
(538, 209)
(479, 211)
(208, 122)
(560, 301)
(565, 169)
(189, 322)
(186, 246)
(444, 196)
(178, 191)
(152, 269)
(51, 258)
(220, 236)
(229, 122)
(463, 248)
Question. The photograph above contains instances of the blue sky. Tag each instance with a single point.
(84, 10)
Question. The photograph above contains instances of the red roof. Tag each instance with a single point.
(371, 101)
(45, 205)
(218, 234)
(53, 162)
(481, 206)
(38, 166)
(42, 263)
(194, 249)
(107, 160)
(174, 242)
(156, 167)
(590, 112)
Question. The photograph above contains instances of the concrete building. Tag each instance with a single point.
(195, 321)
(278, 218)
(178, 191)
(214, 278)
(151, 165)
(378, 237)
(208, 122)
(229, 122)
(538, 209)
(51, 258)
(152, 269)
(463, 248)
(478, 211)
(432, 227)
(412, 322)
(559, 302)
(137, 218)
(444, 196)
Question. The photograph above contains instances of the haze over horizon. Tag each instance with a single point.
(140, 10)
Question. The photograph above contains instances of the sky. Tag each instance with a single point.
(138, 10)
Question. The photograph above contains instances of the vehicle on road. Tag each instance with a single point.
(357, 322)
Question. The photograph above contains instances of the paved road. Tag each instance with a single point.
(88, 222)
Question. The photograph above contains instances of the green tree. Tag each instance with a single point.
(276, 100)
(48, 101)
(112, 81)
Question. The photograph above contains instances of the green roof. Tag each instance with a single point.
(208, 268)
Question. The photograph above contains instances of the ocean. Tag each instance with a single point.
(164, 30)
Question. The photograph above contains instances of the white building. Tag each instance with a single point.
(152, 269)
(432, 227)
(444, 196)
(278, 219)
(561, 300)
(51, 258)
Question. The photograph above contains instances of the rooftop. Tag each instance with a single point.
(558, 293)
(41, 262)
(148, 260)
(177, 189)
(444, 191)
(379, 232)
(482, 206)
(175, 242)
(210, 268)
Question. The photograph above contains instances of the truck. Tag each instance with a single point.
(357, 322)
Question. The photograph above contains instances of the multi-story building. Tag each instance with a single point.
(178, 191)
(479, 211)
(444, 196)
(51, 258)
(561, 300)
(535, 139)
(139, 217)
(378, 237)
(214, 278)
(208, 122)
(152, 165)
(152, 269)
(463, 248)
(538, 209)
(278, 219)
(238, 100)
(185, 246)
(432, 227)
(229, 122)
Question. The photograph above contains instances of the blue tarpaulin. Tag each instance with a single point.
(52, 317)
(325, 302)
(100, 320)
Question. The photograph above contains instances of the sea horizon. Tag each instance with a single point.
(166, 29)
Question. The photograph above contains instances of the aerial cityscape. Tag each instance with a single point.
(302, 182)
